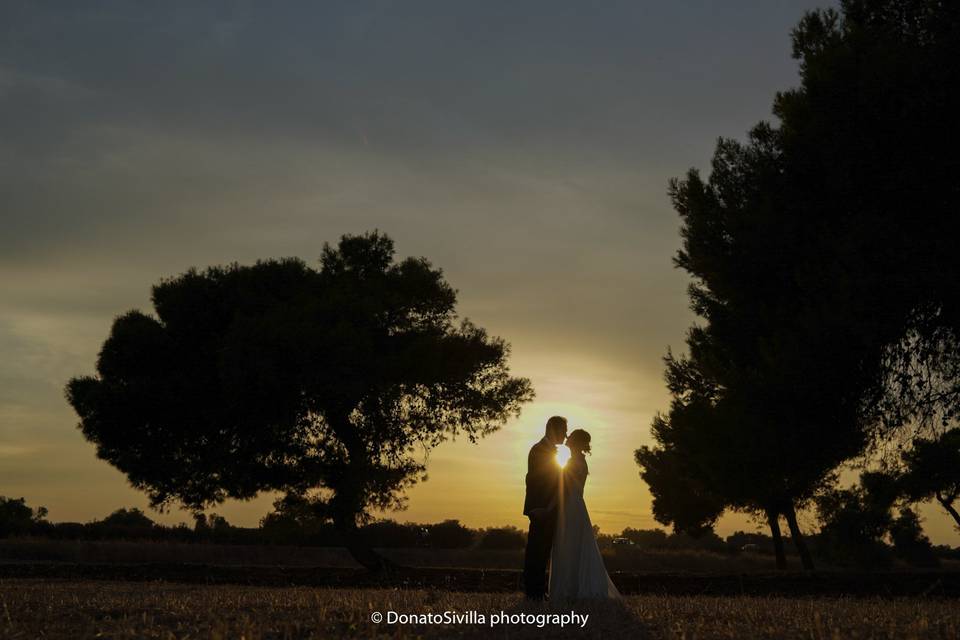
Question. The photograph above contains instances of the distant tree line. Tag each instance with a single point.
(19, 519)
(837, 545)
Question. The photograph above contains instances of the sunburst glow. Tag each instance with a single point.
(563, 454)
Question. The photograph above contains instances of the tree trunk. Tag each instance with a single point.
(947, 504)
(360, 551)
(347, 500)
(345, 522)
(773, 519)
(798, 540)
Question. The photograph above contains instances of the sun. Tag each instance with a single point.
(563, 454)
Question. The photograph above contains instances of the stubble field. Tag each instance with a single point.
(114, 609)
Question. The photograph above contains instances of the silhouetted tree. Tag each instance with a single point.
(390, 533)
(450, 534)
(200, 526)
(128, 518)
(502, 538)
(707, 459)
(682, 497)
(909, 542)
(124, 523)
(646, 538)
(921, 394)
(748, 417)
(855, 521)
(816, 247)
(323, 384)
(294, 520)
(933, 471)
(874, 181)
(679, 499)
(708, 541)
(739, 539)
(211, 527)
(16, 518)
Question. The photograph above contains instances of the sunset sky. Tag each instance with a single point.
(523, 147)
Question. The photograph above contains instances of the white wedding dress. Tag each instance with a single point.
(576, 566)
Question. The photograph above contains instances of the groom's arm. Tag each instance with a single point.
(550, 474)
(537, 493)
(530, 480)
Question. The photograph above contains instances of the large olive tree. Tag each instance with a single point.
(328, 384)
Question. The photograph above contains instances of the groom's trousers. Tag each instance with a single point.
(539, 543)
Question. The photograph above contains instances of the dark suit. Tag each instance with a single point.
(543, 479)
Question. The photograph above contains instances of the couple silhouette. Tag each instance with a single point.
(561, 533)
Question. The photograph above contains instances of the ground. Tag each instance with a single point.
(111, 609)
(177, 591)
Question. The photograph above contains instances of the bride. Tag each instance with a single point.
(576, 566)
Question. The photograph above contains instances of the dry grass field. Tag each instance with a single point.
(101, 609)
(126, 590)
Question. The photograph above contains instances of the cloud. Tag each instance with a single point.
(631, 515)
(10, 451)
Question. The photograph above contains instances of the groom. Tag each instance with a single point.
(543, 480)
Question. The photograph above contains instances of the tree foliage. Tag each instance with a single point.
(880, 87)
(932, 470)
(18, 518)
(821, 266)
(858, 520)
(327, 384)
